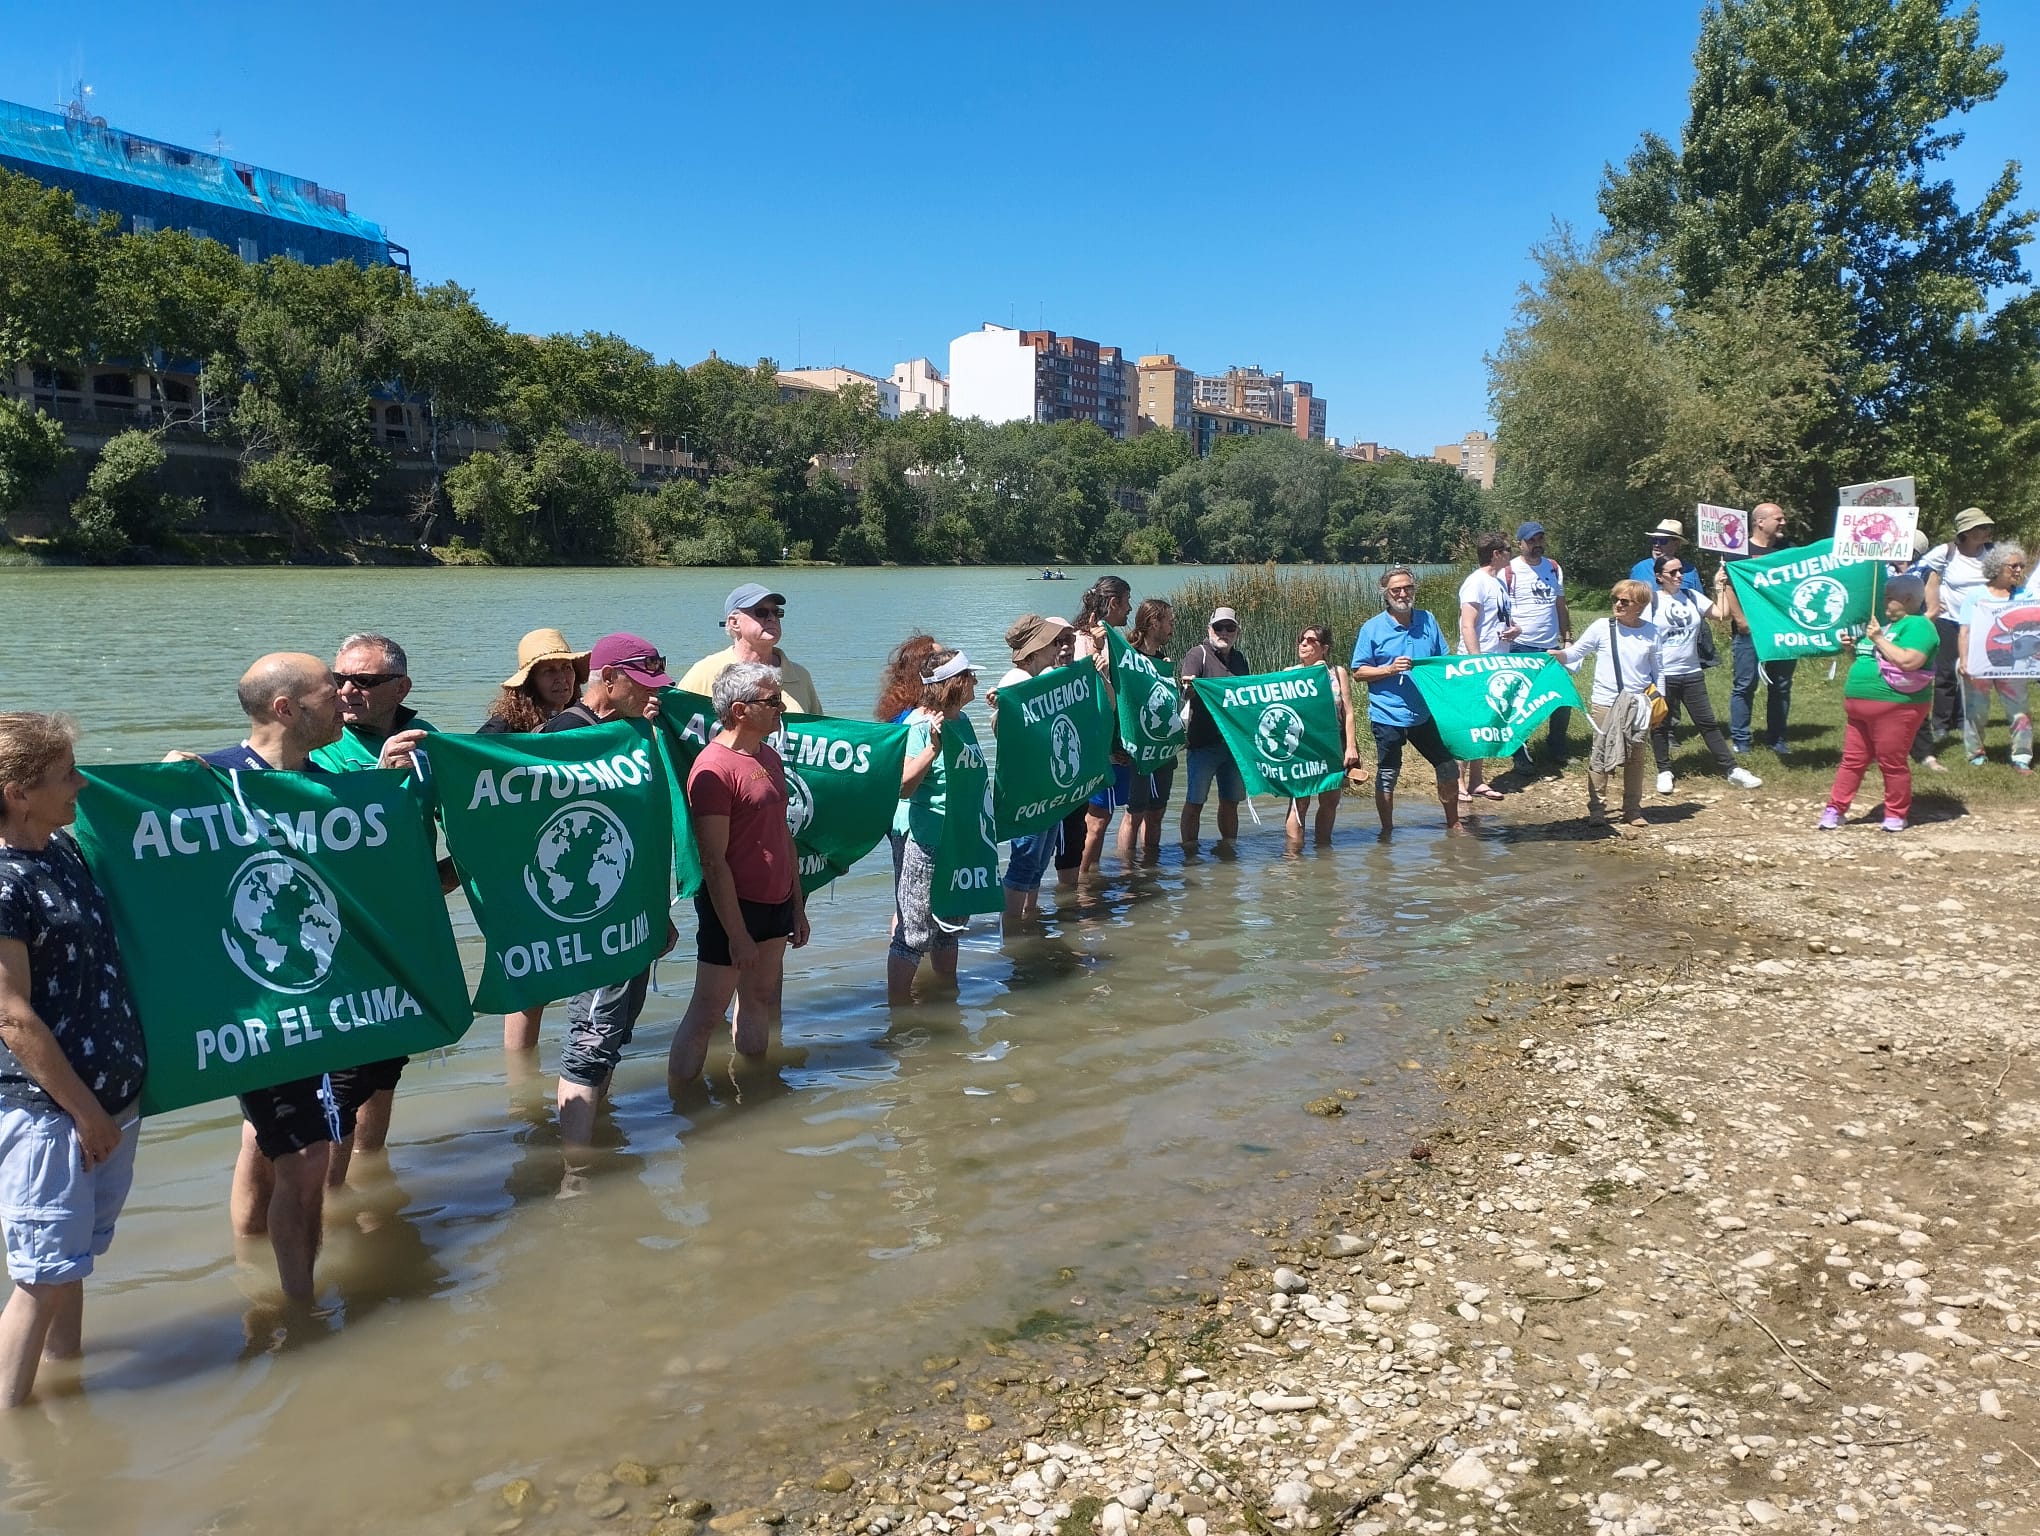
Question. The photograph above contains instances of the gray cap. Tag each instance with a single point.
(749, 595)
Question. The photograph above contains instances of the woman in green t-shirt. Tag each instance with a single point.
(1888, 692)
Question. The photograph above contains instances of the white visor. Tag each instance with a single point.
(942, 674)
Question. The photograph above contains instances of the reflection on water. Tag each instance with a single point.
(1106, 1097)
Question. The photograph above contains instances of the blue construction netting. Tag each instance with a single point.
(80, 148)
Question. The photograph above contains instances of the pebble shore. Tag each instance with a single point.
(1733, 1233)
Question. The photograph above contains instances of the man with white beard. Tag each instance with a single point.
(1396, 712)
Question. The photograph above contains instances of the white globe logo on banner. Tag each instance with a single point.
(988, 822)
(1280, 732)
(285, 923)
(1819, 602)
(1158, 714)
(581, 860)
(800, 803)
(1065, 751)
(1507, 693)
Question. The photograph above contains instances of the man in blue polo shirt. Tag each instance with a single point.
(1396, 712)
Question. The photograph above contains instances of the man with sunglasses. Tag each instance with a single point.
(625, 674)
(750, 907)
(751, 617)
(1208, 757)
(373, 676)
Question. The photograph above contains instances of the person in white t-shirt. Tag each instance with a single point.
(1626, 660)
(1536, 588)
(1954, 573)
(1485, 626)
(1678, 611)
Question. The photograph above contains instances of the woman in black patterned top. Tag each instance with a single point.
(71, 1055)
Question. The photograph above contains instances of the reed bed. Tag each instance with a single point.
(1275, 602)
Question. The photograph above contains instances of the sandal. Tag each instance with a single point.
(1488, 792)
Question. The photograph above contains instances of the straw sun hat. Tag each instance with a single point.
(545, 645)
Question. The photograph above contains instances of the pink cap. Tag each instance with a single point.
(632, 655)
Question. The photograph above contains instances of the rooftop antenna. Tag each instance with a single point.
(220, 146)
(79, 108)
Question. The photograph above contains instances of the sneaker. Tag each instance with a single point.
(1933, 764)
(1978, 761)
(1894, 823)
(1830, 819)
(1780, 751)
(1742, 778)
(1664, 782)
(1738, 748)
(2019, 767)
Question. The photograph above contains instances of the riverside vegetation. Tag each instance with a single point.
(530, 436)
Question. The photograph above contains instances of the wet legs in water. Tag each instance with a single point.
(1299, 811)
(41, 1322)
(284, 1198)
(758, 992)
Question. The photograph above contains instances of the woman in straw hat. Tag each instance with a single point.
(548, 678)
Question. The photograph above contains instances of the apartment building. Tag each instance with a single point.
(998, 374)
(1249, 391)
(921, 386)
(1473, 456)
(836, 380)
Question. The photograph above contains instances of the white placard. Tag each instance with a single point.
(1903, 491)
(1725, 530)
(1875, 533)
(2004, 638)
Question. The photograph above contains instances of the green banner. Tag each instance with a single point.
(1487, 706)
(563, 841)
(967, 861)
(842, 788)
(1150, 706)
(1054, 734)
(1804, 601)
(686, 724)
(274, 925)
(1283, 729)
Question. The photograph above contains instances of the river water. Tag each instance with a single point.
(1102, 1105)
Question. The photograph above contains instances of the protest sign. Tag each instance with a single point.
(1805, 601)
(842, 789)
(274, 926)
(563, 841)
(1875, 533)
(1054, 735)
(966, 878)
(2004, 638)
(1901, 491)
(1725, 530)
(1282, 727)
(1150, 706)
(1487, 706)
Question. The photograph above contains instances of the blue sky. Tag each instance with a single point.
(1346, 192)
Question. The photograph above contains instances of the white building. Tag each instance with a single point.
(991, 375)
(835, 380)
(921, 386)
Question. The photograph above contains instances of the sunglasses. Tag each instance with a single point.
(770, 701)
(1400, 591)
(653, 662)
(1225, 627)
(1307, 638)
(766, 611)
(364, 680)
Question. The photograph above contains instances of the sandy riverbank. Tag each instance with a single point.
(1733, 1233)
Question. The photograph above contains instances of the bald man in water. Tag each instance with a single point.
(288, 1131)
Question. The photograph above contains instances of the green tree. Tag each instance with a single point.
(298, 490)
(124, 504)
(49, 260)
(165, 297)
(445, 349)
(31, 448)
(492, 493)
(1810, 156)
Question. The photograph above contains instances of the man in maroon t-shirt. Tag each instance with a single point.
(750, 904)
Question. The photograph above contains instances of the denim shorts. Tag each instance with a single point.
(1030, 859)
(58, 1216)
(1207, 764)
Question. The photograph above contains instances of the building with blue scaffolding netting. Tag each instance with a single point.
(149, 185)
